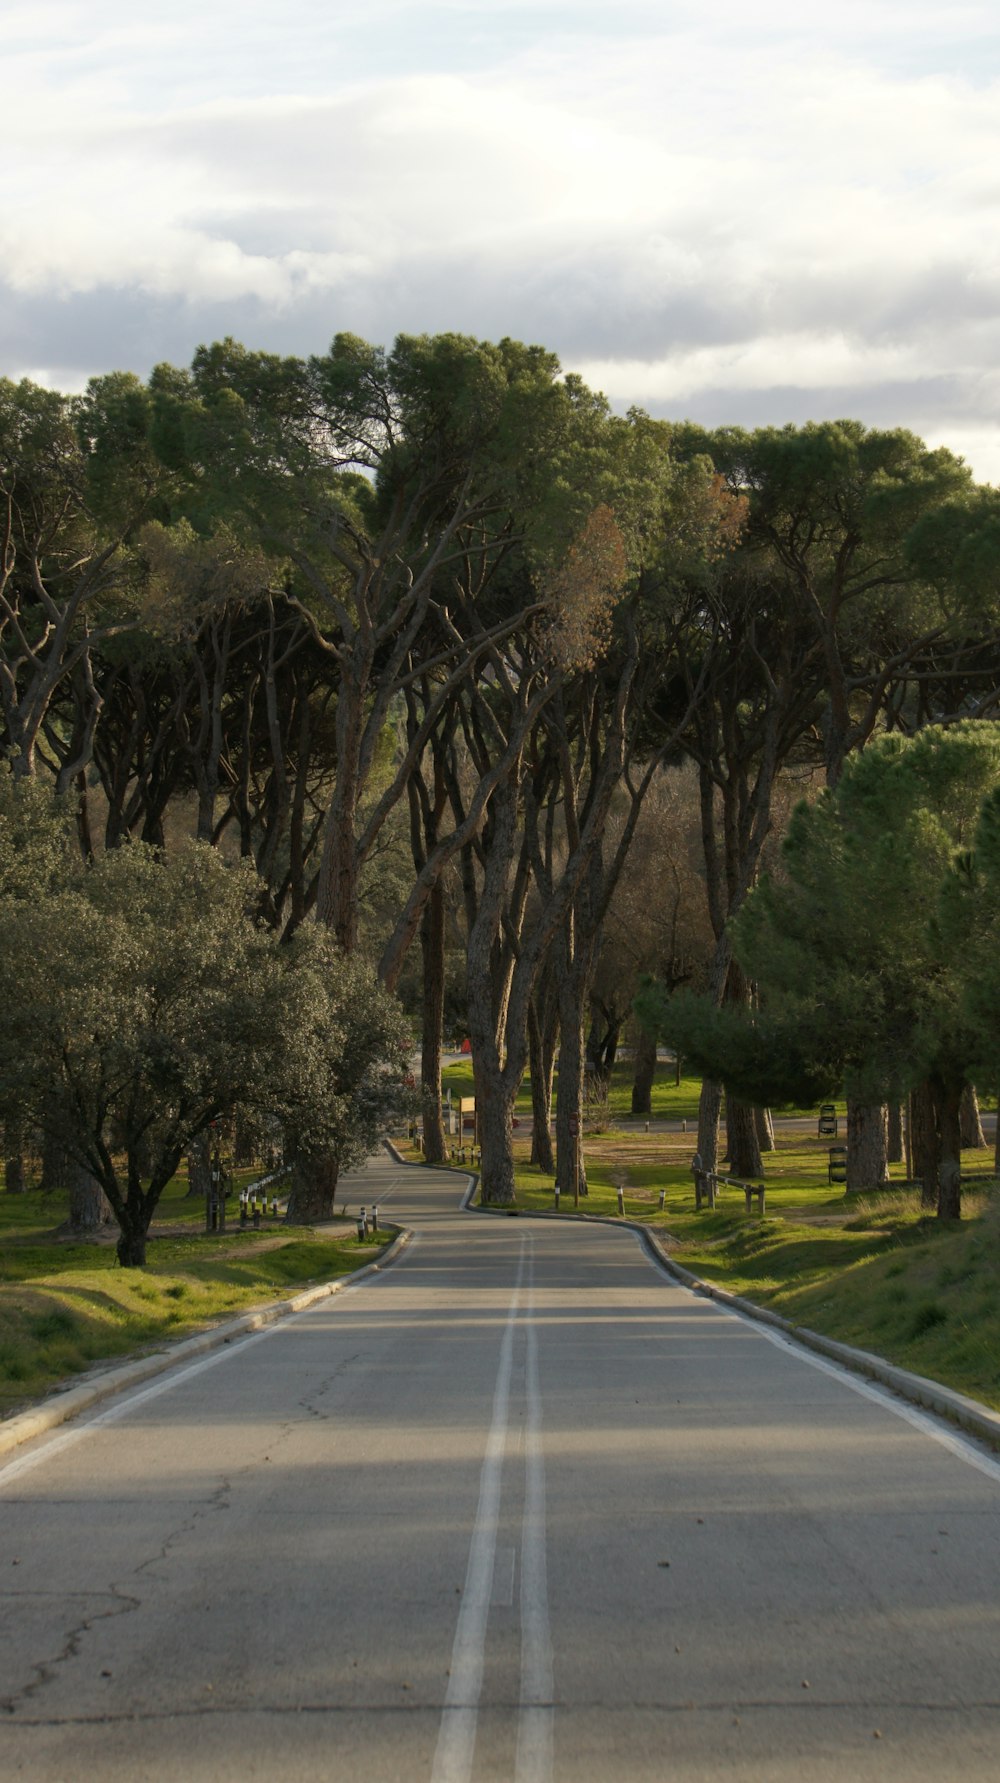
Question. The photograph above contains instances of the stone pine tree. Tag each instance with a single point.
(864, 974)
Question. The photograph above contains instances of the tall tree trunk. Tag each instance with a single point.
(337, 892)
(56, 1165)
(925, 1144)
(741, 1139)
(645, 1073)
(89, 1207)
(244, 1144)
(495, 1120)
(973, 1137)
(765, 1129)
(313, 1189)
(709, 1106)
(432, 935)
(569, 1103)
(200, 1165)
(947, 1094)
(867, 1144)
(894, 1151)
(15, 1174)
(541, 1053)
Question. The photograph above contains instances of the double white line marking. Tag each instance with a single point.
(456, 1740)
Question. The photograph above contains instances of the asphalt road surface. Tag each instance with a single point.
(516, 1508)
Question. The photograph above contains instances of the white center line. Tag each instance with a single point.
(535, 1724)
(457, 1736)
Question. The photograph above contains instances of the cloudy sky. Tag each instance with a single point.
(749, 213)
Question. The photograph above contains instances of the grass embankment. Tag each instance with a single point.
(66, 1306)
(872, 1271)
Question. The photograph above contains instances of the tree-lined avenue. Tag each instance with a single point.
(516, 1507)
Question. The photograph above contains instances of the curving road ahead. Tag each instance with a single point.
(516, 1508)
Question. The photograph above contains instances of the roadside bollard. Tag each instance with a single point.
(361, 1229)
(557, 1197)
(256, 1216)
(621, 1199)
(243, 1210)
(663, 1196)
(374, 1219)
(363, 1217)
(274, 1207)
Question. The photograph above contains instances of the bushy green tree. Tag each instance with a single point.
(143, 1002)
(865, 965)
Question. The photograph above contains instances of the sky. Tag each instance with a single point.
(748, 214)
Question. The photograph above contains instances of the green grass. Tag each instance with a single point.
(921, 1294)
(65, 1307)
(669, 1101)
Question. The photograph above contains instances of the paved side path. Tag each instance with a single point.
(516, 1508)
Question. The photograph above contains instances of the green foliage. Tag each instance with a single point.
(969, 923)
(142, 1002)
(779, 1057)
(859, 947)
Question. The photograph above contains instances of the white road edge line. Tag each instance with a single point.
(962, 1447)
(128, 1402)
(460, 1712)
(535, 1723)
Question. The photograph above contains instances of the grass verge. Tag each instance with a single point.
(65, 1307)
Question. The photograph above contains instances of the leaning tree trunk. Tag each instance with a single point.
(973, 1137)
(432, 935)
(313, 1188)
(947, 1094)
(541, 1056)
(765, 1129)
(925, 1144)
(894, 1145)
(645, 1073)
(709, 1107)
(867, 1145)
(741, 1139)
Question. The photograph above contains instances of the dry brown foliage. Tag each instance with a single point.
(584, 591)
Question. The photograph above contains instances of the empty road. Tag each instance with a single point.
(516, 1508)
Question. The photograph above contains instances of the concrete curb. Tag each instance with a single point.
(68, 1404)
(971, 1416)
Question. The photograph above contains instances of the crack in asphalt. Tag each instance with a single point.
(215, 1711)
(122, 1602)
(46, 1670)
(307, 1402)
(218, 1500)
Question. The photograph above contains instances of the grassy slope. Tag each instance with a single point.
(64, 1307)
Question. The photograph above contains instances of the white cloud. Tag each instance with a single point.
(776, 199)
